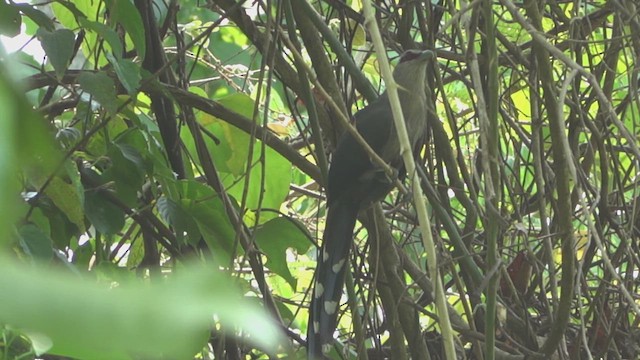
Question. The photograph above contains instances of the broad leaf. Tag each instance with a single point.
(138, 320)
(125, 13)
(105, 216)
(36, 16)
(128, 73)
(101, 87)
(10, 20)
(35, 242)
(106, 33)
(58, 45)
(275, 238)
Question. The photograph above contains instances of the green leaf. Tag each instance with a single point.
(175, 213)
(106, 217)
(37, 16)
(231, 153)
(68, 13)
(106, 33)
(36, 242)
(128, 16)
(67, 198)
(68, 137)
(270, 174)
(25, 141)
(268, 185)
(10, 20)
(215, 227)
(58, 45)
(127, 171)
(131, 154)
(237, 140)
(275, 174)
(232, 34)
(8, 151)
(275, 237)
(101, 87)
(82, 255)
(202, 205)
(39, 219)
(136, 252)
(128, 73)
(169, 320)
(61, 228)
(65, 193)
(138, 145)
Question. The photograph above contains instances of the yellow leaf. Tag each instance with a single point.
(278, 128)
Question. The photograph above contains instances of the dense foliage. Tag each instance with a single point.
(162, 166)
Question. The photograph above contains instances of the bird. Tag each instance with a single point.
(355, 182)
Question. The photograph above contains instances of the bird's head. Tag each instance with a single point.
(411, 69)
(415, 56)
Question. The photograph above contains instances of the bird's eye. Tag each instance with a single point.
(409, 55)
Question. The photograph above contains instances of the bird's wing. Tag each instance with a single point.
(375, 123)
(350, 161)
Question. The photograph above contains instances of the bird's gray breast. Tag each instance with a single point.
(415, 116)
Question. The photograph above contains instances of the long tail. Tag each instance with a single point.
(333, 262)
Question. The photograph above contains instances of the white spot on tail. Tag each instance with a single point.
(337, 267)
(330, 307)
(318, 291)
(316, 327)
